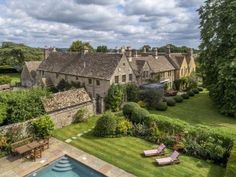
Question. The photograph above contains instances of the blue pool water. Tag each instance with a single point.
(65, 167)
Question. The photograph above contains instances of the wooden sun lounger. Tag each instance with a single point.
(152, 152)
(173, 159)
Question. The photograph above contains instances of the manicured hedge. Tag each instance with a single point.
(231, 165)
(170, 101)
(190, 93)
(178, 98)
(195, 90)
(185, 96)
(202, 142)
(135, 113)
(161, 106)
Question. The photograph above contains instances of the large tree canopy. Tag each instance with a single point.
(77, 46)
(218, 55)
(13, 54)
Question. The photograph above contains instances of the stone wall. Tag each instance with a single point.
(5, 87)
(66, 116)
(60, 118)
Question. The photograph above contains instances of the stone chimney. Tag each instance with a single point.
(136, 53)
(156, 53)
(85, 50)
(190, 52)
(46, 52)
(144, 50)
(168, 51)
(129, 54)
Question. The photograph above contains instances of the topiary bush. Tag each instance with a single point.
(195, 91)
(106, 125)
(190, 93)
(43, 127)
(185, 96)
(128, 108)
(139, 115)
(151, 97)
(178, 98)
(170, 101)
(162, 106)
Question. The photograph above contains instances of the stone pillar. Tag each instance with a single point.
(94, 106)
(102, 104)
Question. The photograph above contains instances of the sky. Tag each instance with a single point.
(115, 23)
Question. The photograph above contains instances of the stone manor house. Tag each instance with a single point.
(96, 72)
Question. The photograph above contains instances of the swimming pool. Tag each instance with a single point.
(65, 167)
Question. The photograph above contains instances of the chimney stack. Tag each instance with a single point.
(190, 52)
(156, 53)
(144, 50)
(168, 49)
(47, 51)
(129, 54)
(85, 50)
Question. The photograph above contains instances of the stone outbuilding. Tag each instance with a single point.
(29, 73)
(63, 106)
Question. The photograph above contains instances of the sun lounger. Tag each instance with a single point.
(169, 160)
(153, 152)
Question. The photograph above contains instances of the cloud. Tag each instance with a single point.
(110, 22)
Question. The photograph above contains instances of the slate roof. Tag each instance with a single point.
(63, 100)
(96, 65)
(32, 65)
(160, 64)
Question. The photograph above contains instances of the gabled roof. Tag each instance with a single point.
(159, 64)
(96, 65)
(32, 65)
(66, 99)
(176, 59)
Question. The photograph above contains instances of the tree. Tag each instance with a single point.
(77, 46)
(102, 49)
(218, 52)
(114, 97)
(132, 92)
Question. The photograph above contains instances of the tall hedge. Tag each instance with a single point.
(23, 105)
(218, 52)
(115, 97)
(231, 165)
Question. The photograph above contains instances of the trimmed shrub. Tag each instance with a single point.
(170, 101)
(185, 96)
(162, 106)
(190, 93)
(139, 115)
(106, 125)
(178, 98)
(123, 126)
(142, 104)
(195, 91)
(43, 127)
(231, 165)
(129, 108)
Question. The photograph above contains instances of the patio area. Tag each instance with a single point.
(19, 167)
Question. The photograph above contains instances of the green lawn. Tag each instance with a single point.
(201, 110)
(126, 153)
(14, 76)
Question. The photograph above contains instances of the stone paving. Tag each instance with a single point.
(19, 167)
